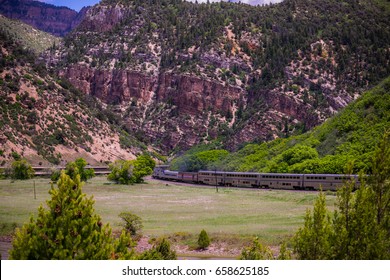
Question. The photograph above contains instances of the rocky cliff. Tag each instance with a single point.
(49, 18)
(179, 73)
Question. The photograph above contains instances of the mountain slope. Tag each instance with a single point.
(350, 136)
(49, 18)
(181, 74)
(32, 39)
(45, 119)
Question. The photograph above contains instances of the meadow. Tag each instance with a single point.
(170, 208)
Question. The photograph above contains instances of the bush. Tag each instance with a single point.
(21, 170)
(131, 223)
(160, 251)
(203, 240)
(78, 167)
(131, 171)
(16, 156)
(256, 252)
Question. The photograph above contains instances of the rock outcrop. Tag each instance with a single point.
(49, 18)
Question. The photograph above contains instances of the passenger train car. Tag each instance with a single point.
(256, 180)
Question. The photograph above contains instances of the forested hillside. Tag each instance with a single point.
(350, 136)
(180, 73)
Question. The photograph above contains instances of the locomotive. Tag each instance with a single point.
(256, 180)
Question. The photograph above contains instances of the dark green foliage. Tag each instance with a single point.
(131, 171)
(68, 229)
(351, 135)
(131, 223)
(360, 226)
(160, 251)
(358, 33)
(55, 175)
(21, 170)
(196, 160)
(203, 240)
(77, 167)
(16, 156)
(256, 251)
(312, 241)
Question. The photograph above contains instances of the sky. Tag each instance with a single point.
(78, 4)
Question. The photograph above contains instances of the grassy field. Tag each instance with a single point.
(168, 208)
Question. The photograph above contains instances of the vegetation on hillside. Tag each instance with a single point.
(350, 136)
(357, 33)
(33, 39)
(360, 226)
(319, 55)
(40, 111)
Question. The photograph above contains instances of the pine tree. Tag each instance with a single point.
(160, 251)
(256, 251)
(203, 240)
(312, 241)
(69, 229)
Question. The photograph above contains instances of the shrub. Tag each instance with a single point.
(256, 252)
(131, 171)
(203, 240)
(160, 251)
(78, 167)
(21, 170)
(131, 223)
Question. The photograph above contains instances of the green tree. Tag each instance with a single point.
(131, 171)
(69, 229)
(380, 181)
(21, 170)
(359, 228)
(312, 241)
(121, 172)
(160, 251)
(131, 223)
(256, 251)
(284, 253)
(203, 240)
(78, 167)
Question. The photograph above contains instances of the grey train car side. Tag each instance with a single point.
(281, 181)
(326, 181)
(257, 180)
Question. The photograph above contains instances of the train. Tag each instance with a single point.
(257, 180)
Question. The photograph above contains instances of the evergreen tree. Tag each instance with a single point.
(360, 226)
(160, 251)
(69, 229)
(131, 223)
(256, 251)
(203, 240)
(312, 241)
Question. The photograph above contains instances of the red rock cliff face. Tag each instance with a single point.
(52, 19)
(195, 95)
(189, 94)
(171, 109)
(174, 109)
